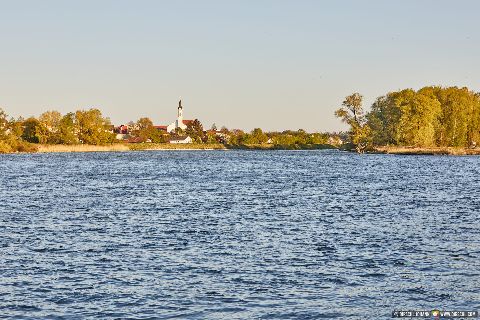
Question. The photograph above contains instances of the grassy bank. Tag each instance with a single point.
(281, 147)
(171, 146)
(46, 148)
(427, 151)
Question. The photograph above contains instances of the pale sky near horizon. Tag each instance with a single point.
(267, 63)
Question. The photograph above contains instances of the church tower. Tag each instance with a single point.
(179, 123)
(180, 110)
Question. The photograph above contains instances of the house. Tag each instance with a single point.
(161, 128)
(179, 123)
(122, 129)
(122, 132)
(182, 139)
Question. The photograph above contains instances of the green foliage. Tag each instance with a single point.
(67, 130)
(15, 127)
(289, 139)
(195, 131)
(255, 137)
(3, 124)
(431, 116)
(34, 131)
(383, 119)
(145, 130)
(51, 120)
(352, 113)
(5, 147)
(92, 128)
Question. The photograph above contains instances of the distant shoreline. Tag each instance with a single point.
(122, 147)
(427, 151)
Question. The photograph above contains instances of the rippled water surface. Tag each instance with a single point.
(237, 235)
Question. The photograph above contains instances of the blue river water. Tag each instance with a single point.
(237, 235)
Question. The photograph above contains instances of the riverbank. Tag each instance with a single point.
(281, 147)
(427, 151)
(52, 148)
(122, 147)
(43, 148)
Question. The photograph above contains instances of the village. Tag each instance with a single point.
(90, 127)
(180, 131)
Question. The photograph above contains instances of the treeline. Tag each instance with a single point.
(284, 138)
(82, 126)
(429, 117)
(91, 127)
(145, 130)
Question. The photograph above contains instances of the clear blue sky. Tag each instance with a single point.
(244, 64)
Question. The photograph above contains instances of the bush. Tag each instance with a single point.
(13, 145)
(5, 147)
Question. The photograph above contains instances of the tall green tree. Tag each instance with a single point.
(34, 131)
(195, 131)
(15, 127)
(352, 113)
(92, 128)
(3, 124)
(145, 130)
(419, 119)
(51, 121)
(257, 136)
(67, 130)
(383, 119)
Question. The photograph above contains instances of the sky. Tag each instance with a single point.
(272, 64)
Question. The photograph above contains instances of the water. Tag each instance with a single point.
(237, 235)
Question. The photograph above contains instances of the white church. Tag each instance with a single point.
(179, 123)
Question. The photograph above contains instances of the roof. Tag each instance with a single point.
(186, 122)
(160, 127)
(135, 140)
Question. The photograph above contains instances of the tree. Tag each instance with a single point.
(15, 127)
(419, 119)
(351, 110)
(51, 121)
(92, 128)
(145, 130)
(255, 137)
(352, 113)
(3, 124)
(195, 131)
(67, 130)
(34, 131)
(383, 119)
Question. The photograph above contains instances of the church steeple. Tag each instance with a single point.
(180, 110)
